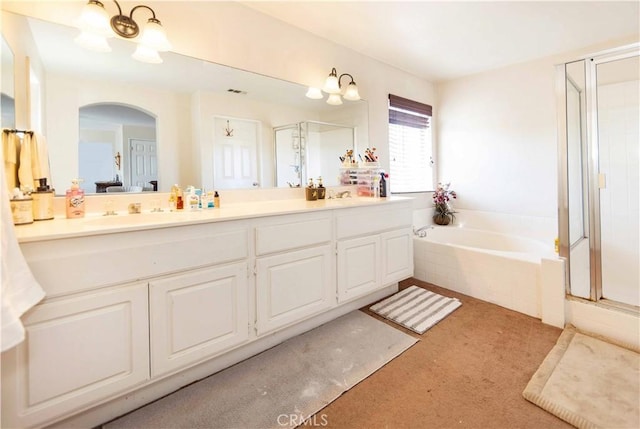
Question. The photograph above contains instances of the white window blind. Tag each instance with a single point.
(410, 146)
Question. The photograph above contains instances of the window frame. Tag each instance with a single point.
(396, 102)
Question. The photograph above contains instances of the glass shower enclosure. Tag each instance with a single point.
(310, 149)
(599, 186)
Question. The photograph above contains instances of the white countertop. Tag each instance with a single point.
(97, 224)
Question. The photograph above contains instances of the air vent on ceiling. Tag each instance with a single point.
(236, 91)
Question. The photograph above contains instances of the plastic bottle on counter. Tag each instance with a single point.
(42, 201)
(383, 185)
(75, 200)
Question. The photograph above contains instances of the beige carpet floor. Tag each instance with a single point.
(283, 386)
(588, 382)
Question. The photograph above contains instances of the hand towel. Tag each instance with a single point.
(19, 289)
(40, 158)
(25, 174)
(10, 154)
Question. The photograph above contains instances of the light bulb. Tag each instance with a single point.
(154, 36)
(92, 41)
(332, 85)
(351, 92)
(95, 19)
(334, 99)
(146, 55)
(314, 93)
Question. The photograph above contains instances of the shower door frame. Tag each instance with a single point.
(593, 169)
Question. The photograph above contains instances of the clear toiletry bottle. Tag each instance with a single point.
(75, 200)
(193, 199)
(216, 199)
(173, 198)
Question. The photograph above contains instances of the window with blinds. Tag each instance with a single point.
(410, 146)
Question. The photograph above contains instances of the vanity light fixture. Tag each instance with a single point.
(96, 26)
(333, 87)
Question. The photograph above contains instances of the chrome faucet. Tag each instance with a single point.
(422, 232)
(343, 194)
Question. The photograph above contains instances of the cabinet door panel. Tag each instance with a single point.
(78, 351)
(397, 255)
(358, 267)
(197, 315)
(293, 286)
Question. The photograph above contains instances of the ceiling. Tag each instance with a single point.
(444, 40)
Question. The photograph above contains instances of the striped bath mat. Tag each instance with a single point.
(416, 308)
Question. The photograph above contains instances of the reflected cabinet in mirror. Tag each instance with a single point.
(111, 119)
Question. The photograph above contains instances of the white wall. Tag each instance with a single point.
(497, 140)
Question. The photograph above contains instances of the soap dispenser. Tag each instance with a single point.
(42, 201)
(75, 200)
(322, 191)
(311, 192)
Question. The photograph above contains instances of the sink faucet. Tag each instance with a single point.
(343, 194)
(108, 209)
(134, 208)
(422, 232)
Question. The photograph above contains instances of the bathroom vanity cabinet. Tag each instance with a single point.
(375, 248)
(177, 302)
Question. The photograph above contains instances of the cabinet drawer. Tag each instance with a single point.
(372, 220)
(89, 262)
(292, 233)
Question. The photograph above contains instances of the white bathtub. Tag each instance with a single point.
(494, 267)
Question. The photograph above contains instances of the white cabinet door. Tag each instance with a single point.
(293, 286)
(397, 255)
(77, 351)
(197, 315)
(358, 267)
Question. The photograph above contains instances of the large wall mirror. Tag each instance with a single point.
(205, 113)
(7, 87)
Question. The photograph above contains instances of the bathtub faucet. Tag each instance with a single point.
(422, 232)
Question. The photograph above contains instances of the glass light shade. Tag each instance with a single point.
(334, 99)
(314, 93)
(92, 41)
(331, 85)
(95, 19)
(154, 36)
(146, 55)
(351, 93)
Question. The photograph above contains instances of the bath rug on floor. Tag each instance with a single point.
(283, 386)
(588, 382)
(416, 308)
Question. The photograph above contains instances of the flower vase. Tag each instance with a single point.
(442, 214)
(441, 219)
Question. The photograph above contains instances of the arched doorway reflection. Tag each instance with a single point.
(117, 147)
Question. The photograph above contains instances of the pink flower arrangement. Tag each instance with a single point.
(443, 194)
(441, 197)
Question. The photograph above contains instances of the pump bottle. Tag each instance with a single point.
(75, 200)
